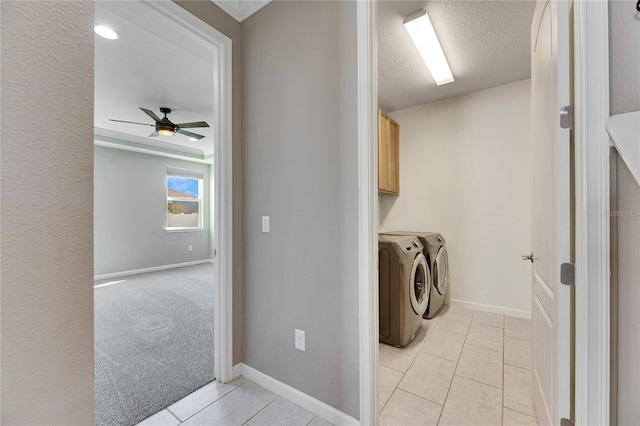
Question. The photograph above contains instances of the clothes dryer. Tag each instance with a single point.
(435, 251)
(404, 288)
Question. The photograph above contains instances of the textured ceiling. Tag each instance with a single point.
(152, 64)
(486, 44)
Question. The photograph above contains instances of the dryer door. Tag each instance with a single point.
(420, 289)
(441, 271)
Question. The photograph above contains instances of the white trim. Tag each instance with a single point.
(517, 313)
(173, 230)
(367, 211)
(223, 217)
(241, 9)
(114, 145)
(151, 269)
(151, 144)
(592, 310)
(305, 401)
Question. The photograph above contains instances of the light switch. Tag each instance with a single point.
(265, 223)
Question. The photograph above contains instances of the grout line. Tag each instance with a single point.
(208, 405)
(390, 368)
(489, 349)
(518, 338)
(176, 417)
(404, 373)
(418, 396)
(262, 409)
(518, 366)
(418, 351)
(477, 381)
(520, 412)
(455, 369)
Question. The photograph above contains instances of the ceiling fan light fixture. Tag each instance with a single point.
(105, 32)
(424, 36)
(165, 130)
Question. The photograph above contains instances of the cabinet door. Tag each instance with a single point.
(383, 153)
(394, 156)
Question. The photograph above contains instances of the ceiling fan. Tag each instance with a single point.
(164, 127)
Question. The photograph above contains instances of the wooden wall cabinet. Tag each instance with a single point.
(388, 155)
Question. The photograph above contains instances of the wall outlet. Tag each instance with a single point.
(190, 248)
(300, 343)
(265, 223)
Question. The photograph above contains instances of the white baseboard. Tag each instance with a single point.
(518, 313)
(152, 269)
(305, 401)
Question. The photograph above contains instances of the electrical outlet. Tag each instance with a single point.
(190, 248)
(265, 223)
(300, 343)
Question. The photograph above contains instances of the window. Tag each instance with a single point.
(184, 199)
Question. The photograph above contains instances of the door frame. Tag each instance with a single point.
(222, 177)
(592, 302)
(367, 59)
(591, 98)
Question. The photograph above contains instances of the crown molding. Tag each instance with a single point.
(117, 140)
(241, 9)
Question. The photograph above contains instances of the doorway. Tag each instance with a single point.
(164, 57)
(466, 173)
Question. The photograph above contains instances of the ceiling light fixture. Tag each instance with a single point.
(165, 130)
(105, 32)
(419, 27)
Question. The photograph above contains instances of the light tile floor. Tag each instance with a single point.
(241, 402)
(463, 368)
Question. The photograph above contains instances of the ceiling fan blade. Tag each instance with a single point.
(154, 134)
(132, 122)
(191, 135)
(193, 124)
(151, 114)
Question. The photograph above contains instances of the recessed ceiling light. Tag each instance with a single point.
(193, 139)
(105, 32)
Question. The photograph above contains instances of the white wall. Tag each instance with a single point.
(130, 202)
(300, 162)
(47, 257)
(466, 172)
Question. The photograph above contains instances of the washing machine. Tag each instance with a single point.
(404, 289)
(435, 250)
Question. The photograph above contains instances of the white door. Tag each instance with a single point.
(551, 211)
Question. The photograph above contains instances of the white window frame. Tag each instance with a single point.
(174, 172)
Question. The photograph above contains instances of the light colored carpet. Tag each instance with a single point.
(153, 341)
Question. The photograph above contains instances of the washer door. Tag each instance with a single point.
(441, 271)
(420, 290)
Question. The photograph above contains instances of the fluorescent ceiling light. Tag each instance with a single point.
(105, 32)
(419, 27)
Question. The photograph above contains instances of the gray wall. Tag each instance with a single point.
(47, 257)
(130, 213)
(299, 121)
(625, 97)
(220, 20)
